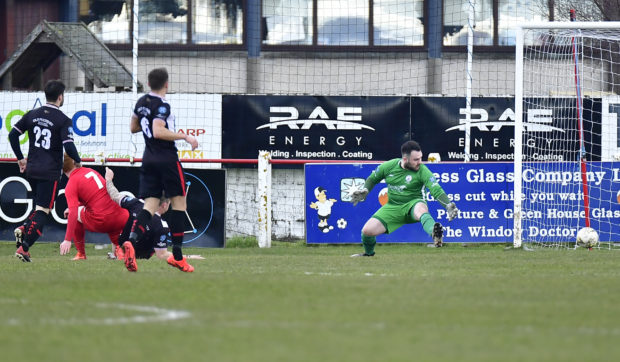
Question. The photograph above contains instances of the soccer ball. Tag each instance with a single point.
(383, 196)
(587, 237)
(342, 223)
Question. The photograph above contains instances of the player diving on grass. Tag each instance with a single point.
(405, 177)
(155, 239)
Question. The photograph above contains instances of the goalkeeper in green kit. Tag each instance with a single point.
(405, 177)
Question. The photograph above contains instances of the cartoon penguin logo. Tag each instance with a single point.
(323, 205)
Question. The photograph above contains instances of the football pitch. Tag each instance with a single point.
(293, 302)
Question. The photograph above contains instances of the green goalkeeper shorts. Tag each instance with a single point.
(394, 216)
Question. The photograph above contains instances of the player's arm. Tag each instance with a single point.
(14, 141)
(161, 132)
(162, 253)
(162, 233)
(115, 195)
(165, 254)
(17, 131)
(375, 177)
(438, 193)
(66, 134)
(134, 126)
(72, 221)
(73, 153)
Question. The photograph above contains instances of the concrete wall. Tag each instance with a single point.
(320, 73)
(288, 219)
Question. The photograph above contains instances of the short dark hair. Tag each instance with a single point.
(163, 199)
(53, 89)
(68, 163)
(409, 146)
(158, 78)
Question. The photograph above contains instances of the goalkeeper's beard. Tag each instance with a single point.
(408, 166)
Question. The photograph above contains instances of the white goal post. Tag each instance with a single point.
(564, 173)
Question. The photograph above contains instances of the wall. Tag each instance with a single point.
(287, 192)
(320, 73)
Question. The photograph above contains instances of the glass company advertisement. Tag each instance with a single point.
(484, 195)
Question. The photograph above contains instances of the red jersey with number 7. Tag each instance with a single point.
(86, 187)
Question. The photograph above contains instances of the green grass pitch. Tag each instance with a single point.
(298, 303)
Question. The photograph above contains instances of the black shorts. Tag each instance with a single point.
(156, 177)
(44, 192)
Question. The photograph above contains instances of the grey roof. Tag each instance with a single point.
(50, 39)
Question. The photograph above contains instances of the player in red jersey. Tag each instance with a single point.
(89, 207)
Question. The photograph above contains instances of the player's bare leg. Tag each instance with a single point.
(370, 231)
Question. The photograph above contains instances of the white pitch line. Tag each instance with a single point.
(149, 314)
(343, 274)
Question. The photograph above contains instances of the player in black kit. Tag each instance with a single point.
(157, 236)
(155, 239)
(49, 130)
(161, 169)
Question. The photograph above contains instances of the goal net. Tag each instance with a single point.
(566, 133)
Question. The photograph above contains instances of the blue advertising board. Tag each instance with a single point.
(484, 195)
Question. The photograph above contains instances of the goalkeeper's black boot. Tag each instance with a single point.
(362, 254)
(438, 235)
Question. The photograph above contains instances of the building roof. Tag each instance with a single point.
(50, 39)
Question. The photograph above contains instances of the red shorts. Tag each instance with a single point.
(103, 223)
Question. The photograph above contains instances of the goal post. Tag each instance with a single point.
(566, 137)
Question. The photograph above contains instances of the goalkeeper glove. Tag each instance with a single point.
(453, 212)
(359, 195)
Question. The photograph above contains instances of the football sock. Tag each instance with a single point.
(139, 226)
(34, 229)
(29, 219)
(427, 223)
(26, 225)
(79, 244)
(177, 224)
(114, 238)
(369, 244)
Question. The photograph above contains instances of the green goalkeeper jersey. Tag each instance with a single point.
(405, 185)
